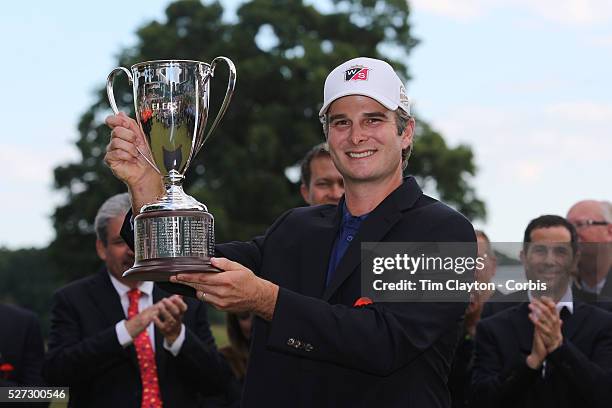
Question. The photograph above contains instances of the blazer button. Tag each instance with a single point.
(308, 347)
(290, 342)
(298, 344)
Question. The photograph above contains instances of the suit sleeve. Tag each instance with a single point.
(200, 361)
(127, 230)
(379, 338)
(491, 384)
(249, 254)
(71, 360)
(590, 376)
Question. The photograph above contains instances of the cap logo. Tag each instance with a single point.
(356, 73)
(403, 97)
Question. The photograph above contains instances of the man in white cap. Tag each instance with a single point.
(316, 341)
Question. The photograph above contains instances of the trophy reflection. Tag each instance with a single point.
(171, 99)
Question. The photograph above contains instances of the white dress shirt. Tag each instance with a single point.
(145, 301)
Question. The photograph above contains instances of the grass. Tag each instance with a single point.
(220, 334)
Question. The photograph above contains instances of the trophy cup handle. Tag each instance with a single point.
(231, 85)
(113, 104)
(109, 86)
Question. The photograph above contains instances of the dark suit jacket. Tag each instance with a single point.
(319, 350)
(578, 373)
(460, 375)
(499, 302)
(21, 345)
(607, 288)
(85, 354)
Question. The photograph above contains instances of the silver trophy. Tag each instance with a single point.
(176, 232)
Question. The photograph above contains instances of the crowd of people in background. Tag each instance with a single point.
(505, 357)
(119, 343)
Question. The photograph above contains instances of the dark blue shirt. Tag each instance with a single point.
(349, 226)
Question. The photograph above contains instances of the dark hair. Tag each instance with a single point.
(319, 150)
(548, 221)
(402, 119)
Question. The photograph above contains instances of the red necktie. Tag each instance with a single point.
(146, 359)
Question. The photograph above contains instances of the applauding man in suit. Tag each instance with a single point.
(119, 343)
(553, 351)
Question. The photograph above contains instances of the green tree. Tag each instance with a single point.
(272, 120)
(27, 279)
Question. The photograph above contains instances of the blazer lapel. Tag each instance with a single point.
(108, 303)
(316, 254)
(523, 327)
(106, 298)
(373, 229)
(572, 325)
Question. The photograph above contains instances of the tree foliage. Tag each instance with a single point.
(28, 278)
(272, 120)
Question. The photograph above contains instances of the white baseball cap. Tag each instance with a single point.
(369, 77)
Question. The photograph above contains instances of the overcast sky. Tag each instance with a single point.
(526, 83)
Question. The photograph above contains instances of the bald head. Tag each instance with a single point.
(593, 208)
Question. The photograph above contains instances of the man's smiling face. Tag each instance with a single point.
(549, 258)
(363, 139)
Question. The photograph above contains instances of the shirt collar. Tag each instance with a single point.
(348, 218)
(122, 289)
(596, 289)
(567, 300)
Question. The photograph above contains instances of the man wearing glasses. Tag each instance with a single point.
(593, 222)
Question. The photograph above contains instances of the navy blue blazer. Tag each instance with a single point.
(319, 350)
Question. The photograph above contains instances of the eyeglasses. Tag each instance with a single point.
(588, 223)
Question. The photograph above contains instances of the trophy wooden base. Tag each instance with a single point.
(160, 271)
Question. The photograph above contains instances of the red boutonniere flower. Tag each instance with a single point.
(362, 301)
(6, 369)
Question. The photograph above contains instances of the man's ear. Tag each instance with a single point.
(408, 134)
(305, 193)
(101, 249)
(523, 257)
